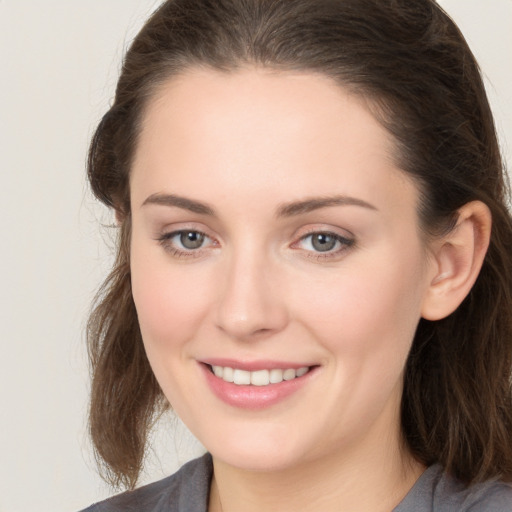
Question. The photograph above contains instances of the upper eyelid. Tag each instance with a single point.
(330, 230)
(168, 230)
(326, 232)
(168, 235)
(174, 232)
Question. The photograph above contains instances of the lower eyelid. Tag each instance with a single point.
(166, 241)
(329, 255)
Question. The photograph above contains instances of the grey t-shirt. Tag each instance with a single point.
(187, 491)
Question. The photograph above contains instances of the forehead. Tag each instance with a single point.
(257, 131)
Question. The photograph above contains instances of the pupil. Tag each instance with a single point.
(323, 242)
(191, 240)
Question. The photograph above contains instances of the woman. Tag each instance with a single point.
(313, 267)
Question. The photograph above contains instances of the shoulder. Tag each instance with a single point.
(436, 490)
(186, 490)
(489, 497)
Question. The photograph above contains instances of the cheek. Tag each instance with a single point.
(168, 298)
(170, 306)
(370, 311)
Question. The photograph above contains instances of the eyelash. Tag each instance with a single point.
(166, 241)
(343, 243)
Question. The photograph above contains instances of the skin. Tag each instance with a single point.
(245, 145)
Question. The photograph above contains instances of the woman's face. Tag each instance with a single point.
(275, 242)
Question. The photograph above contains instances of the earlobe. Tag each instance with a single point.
(457, 260)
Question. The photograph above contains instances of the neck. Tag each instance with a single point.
(375, 481)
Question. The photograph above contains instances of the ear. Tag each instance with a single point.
(457, 260)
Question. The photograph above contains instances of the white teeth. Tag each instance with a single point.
(289, 374)
(276, 376)
(241, 377)
(259, 377)
(228, 374)
(302, 371)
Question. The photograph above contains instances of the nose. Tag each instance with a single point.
(252, 301)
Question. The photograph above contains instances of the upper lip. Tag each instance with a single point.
(252, 366)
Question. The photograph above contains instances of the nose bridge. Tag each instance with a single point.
(251, 303)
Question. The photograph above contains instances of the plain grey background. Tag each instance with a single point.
(59, 63)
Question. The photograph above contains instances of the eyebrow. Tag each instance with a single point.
(316, 203)
(286, 210)
(180, 202)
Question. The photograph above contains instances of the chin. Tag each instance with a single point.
(263, 454)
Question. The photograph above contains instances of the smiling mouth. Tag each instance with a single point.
(258, 377)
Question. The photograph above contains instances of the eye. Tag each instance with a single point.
(324, 242)
(190, 239)
(185, 242)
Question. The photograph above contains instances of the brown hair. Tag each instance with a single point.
(414, 65)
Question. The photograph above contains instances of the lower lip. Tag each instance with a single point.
(253, 397)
